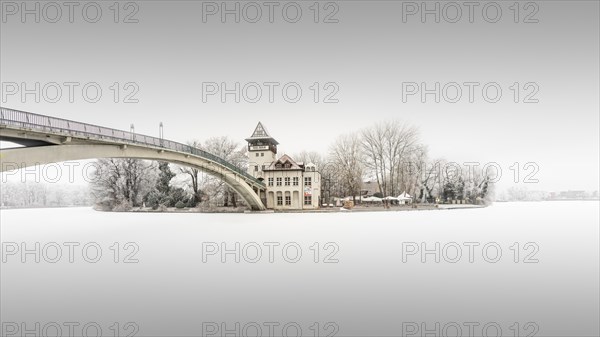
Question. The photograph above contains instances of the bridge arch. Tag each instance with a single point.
(19, 158)
(52, 140)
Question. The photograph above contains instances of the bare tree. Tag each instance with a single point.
(310, 157)
(402, 142)
(121, 183)
(431, 174)
(373, 139)
(227, 149)
(478, 185)
(232, 152)
(347, 158)
(194, 175)
(387, 146)
(205, 187)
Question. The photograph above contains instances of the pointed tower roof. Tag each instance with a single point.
(261, 133)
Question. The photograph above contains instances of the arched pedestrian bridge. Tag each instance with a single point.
(50, 140)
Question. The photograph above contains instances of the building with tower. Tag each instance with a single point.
(290, 185)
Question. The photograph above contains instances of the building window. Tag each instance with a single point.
(308, 199)
(255, 167)
(278, 165)
(263, 167)
(279, 200)
(270, 181)
(287, 165)
(278, 181)
(287, 181)
(288, 200)
(307, 181)
(257, 154)
(295, 181)
(262, 154)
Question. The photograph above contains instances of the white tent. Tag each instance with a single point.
(372, 199)
(390, 198)
(405, 198)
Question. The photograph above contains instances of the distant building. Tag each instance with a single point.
(290, 185)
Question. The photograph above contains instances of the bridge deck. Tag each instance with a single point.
(63, 127)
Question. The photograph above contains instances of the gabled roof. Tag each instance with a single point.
(283, 160)
(261, 133)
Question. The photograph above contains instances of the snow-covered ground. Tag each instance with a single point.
(522, 267)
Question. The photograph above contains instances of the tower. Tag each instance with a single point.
(262, 149)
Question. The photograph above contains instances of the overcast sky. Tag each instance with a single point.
(365, 56)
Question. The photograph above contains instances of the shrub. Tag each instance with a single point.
(176, 195)
(123, 206)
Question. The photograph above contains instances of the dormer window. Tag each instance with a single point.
(287, 165)
(278, 165)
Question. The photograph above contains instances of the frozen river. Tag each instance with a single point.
(513, 269)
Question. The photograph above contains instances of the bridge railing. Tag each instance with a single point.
(73, 128)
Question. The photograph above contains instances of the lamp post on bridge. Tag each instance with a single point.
(132, 131)
(160, 133)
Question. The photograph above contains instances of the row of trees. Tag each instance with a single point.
(122, 184)
(392, 155)
(43, 194)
